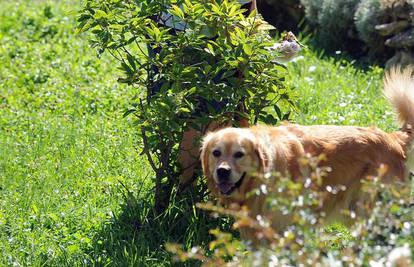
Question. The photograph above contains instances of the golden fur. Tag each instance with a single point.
(353, 153)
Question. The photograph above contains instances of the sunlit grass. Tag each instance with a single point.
(335, 91)
(64, 147)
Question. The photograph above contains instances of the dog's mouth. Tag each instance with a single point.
(226, 188)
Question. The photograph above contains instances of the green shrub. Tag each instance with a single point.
(366, 17)
(187, 79)
(312, 9)
(333, 20)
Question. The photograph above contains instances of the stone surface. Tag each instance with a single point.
(401, 40)
(401, 58)
(392, 28)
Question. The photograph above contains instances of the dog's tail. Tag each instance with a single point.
(399, 89)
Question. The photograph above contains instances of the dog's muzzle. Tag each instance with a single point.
(226, 187)
(223, 174)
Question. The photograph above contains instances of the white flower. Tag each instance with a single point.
(399, 257)
(331, 261)
(312, 69)
(308, 79)
(378, 263)
(273, 261)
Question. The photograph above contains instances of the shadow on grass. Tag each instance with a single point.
(136, 237)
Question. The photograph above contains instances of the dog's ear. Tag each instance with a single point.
(205, 147)
(204, 157)
(264, 157)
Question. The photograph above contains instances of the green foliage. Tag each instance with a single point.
(333, 19)
(218, 67)
(367, 17)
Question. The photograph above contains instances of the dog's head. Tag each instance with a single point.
(231, 158)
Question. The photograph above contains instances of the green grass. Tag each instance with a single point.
(73, 188)
(64, 147)
(335, 91)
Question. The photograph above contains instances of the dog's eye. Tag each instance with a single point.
(216, 153)
(238, 154)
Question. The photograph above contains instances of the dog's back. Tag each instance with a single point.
(352, 152)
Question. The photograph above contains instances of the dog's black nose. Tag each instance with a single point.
(223, 173)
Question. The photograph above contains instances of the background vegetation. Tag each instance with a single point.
(73, 187)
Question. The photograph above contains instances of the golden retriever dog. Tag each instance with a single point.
(232, 157)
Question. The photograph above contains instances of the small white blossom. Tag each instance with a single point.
(312, 69)
(399, 257)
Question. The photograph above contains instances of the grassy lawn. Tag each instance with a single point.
(73, 187)
(64, 147)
